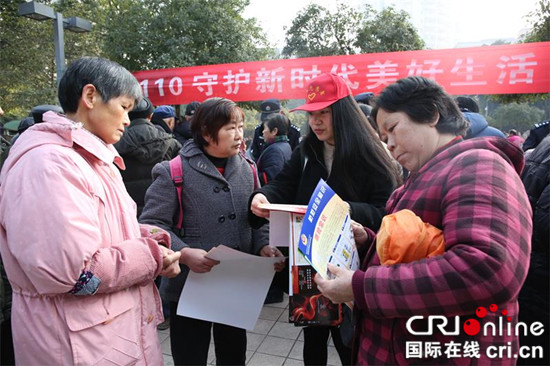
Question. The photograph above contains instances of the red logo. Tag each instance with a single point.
(472, 327)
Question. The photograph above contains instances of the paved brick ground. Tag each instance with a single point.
(273, 342)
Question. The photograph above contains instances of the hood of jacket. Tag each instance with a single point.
(144, 142)
(157, 121)
(506, 149)
(477, 123)
(182, 127)
(59, 130)
(479, 126)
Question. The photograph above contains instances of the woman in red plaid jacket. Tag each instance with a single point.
(460, 307)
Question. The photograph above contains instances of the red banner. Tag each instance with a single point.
(506, 69)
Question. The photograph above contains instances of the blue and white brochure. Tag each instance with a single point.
(326, 235)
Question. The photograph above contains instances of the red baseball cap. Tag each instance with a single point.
(323, 91)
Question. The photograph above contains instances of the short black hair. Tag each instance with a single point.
(191, 108)
(367, 109)
(279, 121)
(365, 98)
(467, 103)
(38, 112)
(109, 78)
(143, 109)
(422, 99)
(210, 117)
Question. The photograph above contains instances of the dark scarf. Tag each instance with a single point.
(278, 138)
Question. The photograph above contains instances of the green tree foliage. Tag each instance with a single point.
(518, 98)
(138, 34)
(498, 42)
(317, 32)
(157, 34)
(28, 68)
(540, 23)
(518, 116)
(539, 32)
(28, 73)
(388, 31)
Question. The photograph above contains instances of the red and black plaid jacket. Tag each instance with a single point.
(472, 191)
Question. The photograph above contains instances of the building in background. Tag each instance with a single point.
(454, 24)
(432, 18)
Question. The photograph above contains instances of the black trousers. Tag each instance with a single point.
(190, 340)
(6, 344)
(534, 306)
(316, 346)
(315, 338)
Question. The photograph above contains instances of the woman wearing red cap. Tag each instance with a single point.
(342, 148)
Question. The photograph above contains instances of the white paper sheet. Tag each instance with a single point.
(280, 216)
(279, 228)
(232, 293)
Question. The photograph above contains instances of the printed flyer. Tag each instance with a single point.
(326, 235)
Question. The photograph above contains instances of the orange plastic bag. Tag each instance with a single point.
(403, 237)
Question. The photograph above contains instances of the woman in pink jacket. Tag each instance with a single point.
(80, 265)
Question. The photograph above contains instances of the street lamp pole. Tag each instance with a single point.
(59, 43)
(38, 11)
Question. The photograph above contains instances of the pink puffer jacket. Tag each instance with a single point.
(64, 210)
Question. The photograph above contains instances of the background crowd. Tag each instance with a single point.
(111, 224)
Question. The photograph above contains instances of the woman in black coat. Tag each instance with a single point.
(277, 147)
(342, 148)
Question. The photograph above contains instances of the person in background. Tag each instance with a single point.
(536, 135)
(142, 146)
(479, 127)
(534, 298)
(37, 112)
(217, 181)
(7, 357)
(241, 118)
(269, 107)
(35, 116)
(164, 117)
(515, 138)
(80, 265)
(182, 131)
(277, 151)
(366, 98)
(367, 109)
(341, 148)
(471, 190)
